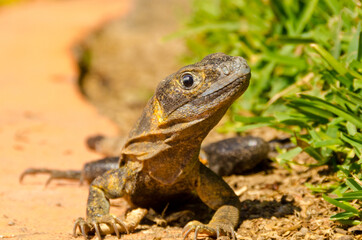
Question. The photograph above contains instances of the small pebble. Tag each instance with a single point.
(345, 237)
(340, 230)
(223, 238)
(303, 231)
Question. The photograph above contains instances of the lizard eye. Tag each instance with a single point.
(187, 80)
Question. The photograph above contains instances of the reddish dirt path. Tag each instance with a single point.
(43, 118)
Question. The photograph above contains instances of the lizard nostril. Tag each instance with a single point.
(225, 70)
(241, 65)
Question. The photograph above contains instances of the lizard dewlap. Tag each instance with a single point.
(159, 161)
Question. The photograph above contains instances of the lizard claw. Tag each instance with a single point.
(94, 225)
(197, 227)
(212, 231)
(83, 226)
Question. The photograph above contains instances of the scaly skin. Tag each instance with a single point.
(159, 161)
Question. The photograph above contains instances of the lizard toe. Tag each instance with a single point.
(212, 230)
(114, 223)
(83, 226)
(199, 228)
(223, 229)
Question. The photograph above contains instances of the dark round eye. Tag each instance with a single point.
(187, 80)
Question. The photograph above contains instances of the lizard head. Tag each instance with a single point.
(202, 89)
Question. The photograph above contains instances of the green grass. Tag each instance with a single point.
(306, 66)
(351, 215)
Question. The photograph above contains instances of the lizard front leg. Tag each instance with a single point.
(113, 184)
(215, 193)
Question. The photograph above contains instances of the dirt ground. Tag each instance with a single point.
(44, 121)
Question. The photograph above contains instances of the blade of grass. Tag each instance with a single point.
(306, 15)
(343, 215)
(333, 5)
(335, 109)
(243, 119)
(337, 66)
(315, 154)
(344, 206)
(294, 40)
(355, 186)
(329, 59)
(284, 59)
(354, 44)
(289, 155)
(350, 222)
(326, 143)
(359, 55)
(352, 140)
(252, 126)
(351, 198)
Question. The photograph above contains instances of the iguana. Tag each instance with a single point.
(159, 160)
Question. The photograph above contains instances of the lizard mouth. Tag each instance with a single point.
(224, 95)
(228, 88)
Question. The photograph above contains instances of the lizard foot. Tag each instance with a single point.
(94, 225)
(212, 229)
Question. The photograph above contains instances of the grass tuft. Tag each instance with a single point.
(305, 57)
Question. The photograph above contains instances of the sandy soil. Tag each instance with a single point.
(43, 118)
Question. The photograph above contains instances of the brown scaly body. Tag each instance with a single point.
(159, 161)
